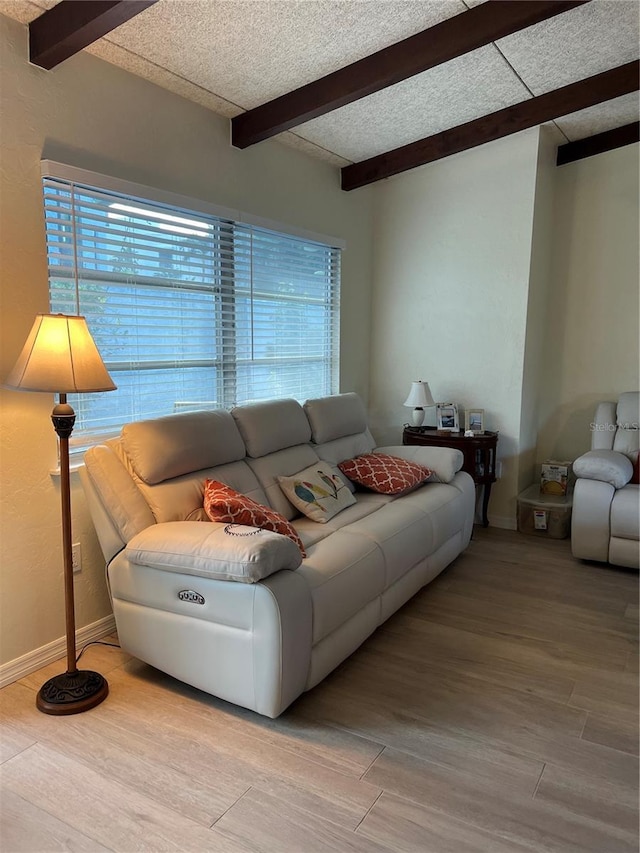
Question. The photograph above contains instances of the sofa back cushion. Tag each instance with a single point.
(276, 434)
(168, 447)
(339, 428)
(271, 426)
(170, 458)
(127, 510)
(347, 447)
(336, 416)
(282, 463)
(182, 498)
(628, 425)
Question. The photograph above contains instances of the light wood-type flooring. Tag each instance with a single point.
(497, 711)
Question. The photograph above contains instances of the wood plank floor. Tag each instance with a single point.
(497, 712)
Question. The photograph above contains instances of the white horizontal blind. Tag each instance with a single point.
(189, 311)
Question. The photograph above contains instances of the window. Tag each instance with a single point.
(189, 310)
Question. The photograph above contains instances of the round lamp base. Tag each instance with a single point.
(72, 692)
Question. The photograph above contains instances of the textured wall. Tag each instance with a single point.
(95, 116)
(452, 263)
(537, 307)
(510, 285)
(592, 329)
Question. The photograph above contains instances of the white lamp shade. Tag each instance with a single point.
(60, 356)
(419, 395)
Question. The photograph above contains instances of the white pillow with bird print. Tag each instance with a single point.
(318, 492)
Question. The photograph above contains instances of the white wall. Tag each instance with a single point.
(591, 351)
(95, 116)
(537, 307)
(452, 265)
(511, 285)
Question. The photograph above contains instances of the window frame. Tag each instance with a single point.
(236, 222)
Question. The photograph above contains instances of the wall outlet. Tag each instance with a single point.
(76, 557)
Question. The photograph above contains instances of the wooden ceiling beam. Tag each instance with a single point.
(608, 140)
(568, 99)
(454, 37)
(65, 29)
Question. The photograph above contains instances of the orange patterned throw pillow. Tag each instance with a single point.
(222, 503)
(388, 475)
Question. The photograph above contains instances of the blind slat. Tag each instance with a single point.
(188, 310)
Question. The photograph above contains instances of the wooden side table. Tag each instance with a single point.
(479, 454)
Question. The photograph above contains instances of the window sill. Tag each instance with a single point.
(74, 466)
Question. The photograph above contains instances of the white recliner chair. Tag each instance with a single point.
(605, 524)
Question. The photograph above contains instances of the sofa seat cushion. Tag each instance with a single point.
(366, 503)
(402, 533)
(443, 506)
(344, 572)
(625, 513)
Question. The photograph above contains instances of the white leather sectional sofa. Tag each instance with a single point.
(261, 644)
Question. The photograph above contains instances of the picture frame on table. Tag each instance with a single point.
(447, 417)
(474, 421)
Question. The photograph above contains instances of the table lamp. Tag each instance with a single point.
(419, 397)
(60, 356)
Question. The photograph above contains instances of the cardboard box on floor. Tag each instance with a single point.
(554, 479)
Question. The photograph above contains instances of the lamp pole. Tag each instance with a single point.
(64, 418)
(75, 690)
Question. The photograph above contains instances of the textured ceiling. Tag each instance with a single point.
(232, 55)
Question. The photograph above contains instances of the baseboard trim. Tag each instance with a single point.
(26, 664)
(504, 522)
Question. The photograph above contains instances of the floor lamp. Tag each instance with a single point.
(60, 356)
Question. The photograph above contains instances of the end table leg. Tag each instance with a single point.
(485, 504)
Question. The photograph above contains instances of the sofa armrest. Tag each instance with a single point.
(445, 462)
(590, 520)
(607, 466)
(204, 549)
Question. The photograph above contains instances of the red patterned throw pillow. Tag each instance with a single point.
(635, 477)
(388, 475)
(222, 503)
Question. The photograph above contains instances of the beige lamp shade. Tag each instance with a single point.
(60, 356)
(419, 395)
